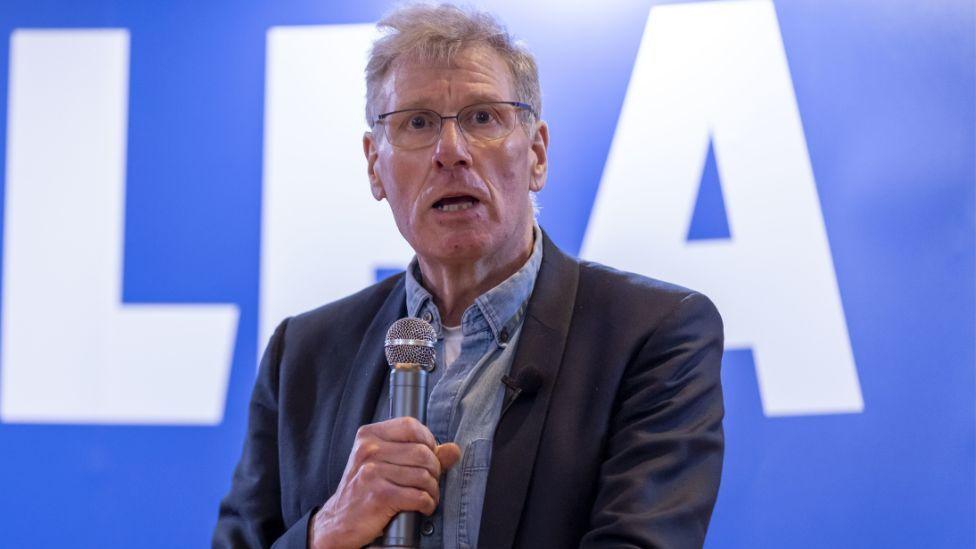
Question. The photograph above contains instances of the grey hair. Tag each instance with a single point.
(436, 34)
(534, 201)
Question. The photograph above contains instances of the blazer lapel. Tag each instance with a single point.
(519, 429)
(367, 373)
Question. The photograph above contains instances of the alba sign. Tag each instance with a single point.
(707, 75)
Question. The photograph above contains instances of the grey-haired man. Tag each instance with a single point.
(617, 439)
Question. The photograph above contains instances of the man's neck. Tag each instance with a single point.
(455, 286)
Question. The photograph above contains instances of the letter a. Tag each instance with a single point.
(717, 72)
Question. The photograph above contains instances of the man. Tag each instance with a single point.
(571, 404)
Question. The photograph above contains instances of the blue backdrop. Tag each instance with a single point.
(885, 90)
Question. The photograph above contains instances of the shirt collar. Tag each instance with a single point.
(502, 307)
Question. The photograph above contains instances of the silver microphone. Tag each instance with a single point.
(410, 354)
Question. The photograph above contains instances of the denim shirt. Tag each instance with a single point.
(465, 397)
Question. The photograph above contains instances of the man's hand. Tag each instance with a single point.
(395, 465)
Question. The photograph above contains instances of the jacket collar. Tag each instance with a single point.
(367, 374)
(519, 430)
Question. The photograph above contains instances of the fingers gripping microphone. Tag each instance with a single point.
(410, 354)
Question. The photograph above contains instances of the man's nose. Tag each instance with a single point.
(452, 147)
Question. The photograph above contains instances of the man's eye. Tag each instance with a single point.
(482, 117)
(418, 122)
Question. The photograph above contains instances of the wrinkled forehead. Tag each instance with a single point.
(475, 73)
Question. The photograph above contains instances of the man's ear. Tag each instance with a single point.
(540, 167)
(369, 149)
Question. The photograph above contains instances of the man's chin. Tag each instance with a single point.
(456, 247)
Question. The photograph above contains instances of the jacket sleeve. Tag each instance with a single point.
(663, 461)
(250, 514)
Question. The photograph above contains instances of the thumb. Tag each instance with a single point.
(448, 454)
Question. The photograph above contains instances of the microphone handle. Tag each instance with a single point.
(408, 397)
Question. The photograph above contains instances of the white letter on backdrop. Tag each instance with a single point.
(71, 351)
(322, 234)
(717, 71)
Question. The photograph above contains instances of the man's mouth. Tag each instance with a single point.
(455, 203)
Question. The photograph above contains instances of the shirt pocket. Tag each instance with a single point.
(474, 478)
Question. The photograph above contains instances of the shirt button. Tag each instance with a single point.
(427, 528)
(503, 336)
(427, 316)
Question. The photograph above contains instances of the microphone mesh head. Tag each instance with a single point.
(411, 340)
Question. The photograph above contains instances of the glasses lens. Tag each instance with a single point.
(414, 128)
(487, 121)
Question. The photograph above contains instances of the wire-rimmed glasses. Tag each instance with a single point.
(418, 128)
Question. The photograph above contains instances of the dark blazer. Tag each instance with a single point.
(620, 446)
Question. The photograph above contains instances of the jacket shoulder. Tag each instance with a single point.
(621, 295)
(616, 284)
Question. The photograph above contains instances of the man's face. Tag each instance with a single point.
(485, 185)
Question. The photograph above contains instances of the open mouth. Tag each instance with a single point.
(455, 203)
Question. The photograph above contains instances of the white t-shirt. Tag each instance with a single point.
(452, 343)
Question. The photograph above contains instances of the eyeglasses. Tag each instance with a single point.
(418, 128)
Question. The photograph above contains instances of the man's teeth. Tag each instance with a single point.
(458, 206)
